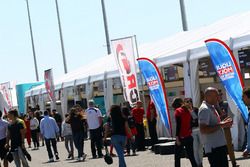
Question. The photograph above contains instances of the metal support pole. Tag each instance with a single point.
(183, 16)
(32, 41)
(61, 38)
(142, 86)
(106, 28)
(10, 92)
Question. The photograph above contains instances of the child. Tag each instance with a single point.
(130, 138)
(68, 138)
(107, 126)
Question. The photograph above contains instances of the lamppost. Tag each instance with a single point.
(183, 16)
(32, 40)
(106, 27)
(61, 38)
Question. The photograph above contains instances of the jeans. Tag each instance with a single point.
(198, 147)
(78, 138)
(60, 131)
(218, 157)
(96, 141)
(48, 143)
(118, 142)
(17, 156)
(248, 136)
(69, 141)
(188, 143)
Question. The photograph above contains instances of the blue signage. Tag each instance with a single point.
(228, 71)
(156, 88)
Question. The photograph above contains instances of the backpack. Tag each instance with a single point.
(107, 158)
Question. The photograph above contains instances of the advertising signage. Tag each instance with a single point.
(244, 58)
(206, 67)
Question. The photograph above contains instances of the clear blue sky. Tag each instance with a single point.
(83, 29)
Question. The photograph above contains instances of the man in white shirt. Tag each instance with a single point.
(3, 135)
(94, 119)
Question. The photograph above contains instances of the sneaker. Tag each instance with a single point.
(57, 157)
(100, 156)
(27, 155)
(69, 156)
(134, 154)
(51, 160)
(84, 157)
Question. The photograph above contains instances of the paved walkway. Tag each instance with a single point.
(143, 159)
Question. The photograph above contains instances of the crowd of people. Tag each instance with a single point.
(205, 133)
(48, 127)
(197, 129)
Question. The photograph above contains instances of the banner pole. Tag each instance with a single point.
(230, 149)
(11, 99)
(227, 131)
(106, 27)
(140, 75)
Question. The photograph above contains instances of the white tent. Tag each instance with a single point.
(184, 47)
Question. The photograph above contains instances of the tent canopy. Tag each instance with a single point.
(235, 30)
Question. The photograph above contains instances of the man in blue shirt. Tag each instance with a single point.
(246, 100)
(50, 130)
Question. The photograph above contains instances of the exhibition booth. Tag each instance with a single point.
(184, 63)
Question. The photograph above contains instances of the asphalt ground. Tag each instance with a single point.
(142, 159)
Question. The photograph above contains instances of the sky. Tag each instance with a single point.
(83, 29)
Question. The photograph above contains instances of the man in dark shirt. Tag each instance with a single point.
(246, 100)
(16, 134)
(222, 106)
(197, 144)
(151, 117)
(58, 119)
